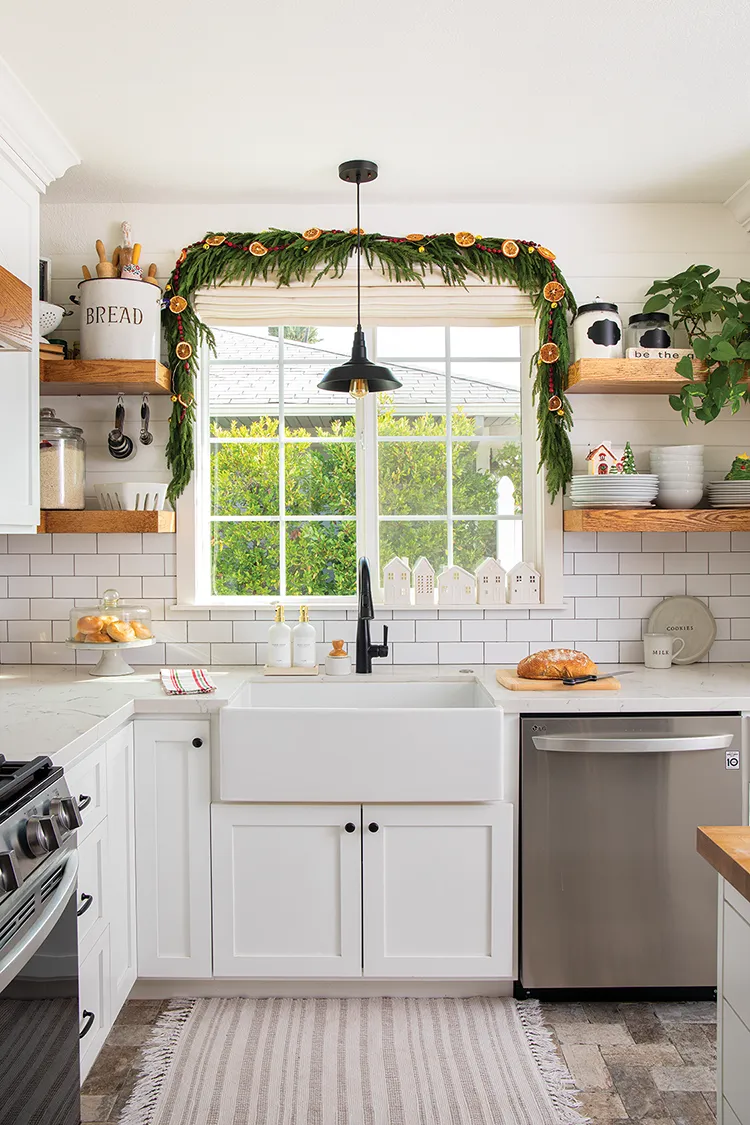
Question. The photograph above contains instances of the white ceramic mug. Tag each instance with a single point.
(659, 649)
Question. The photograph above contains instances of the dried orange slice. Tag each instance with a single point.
(549, 353)
(183, 350)
(177, 304)
(464, 238)
(356, 230)
(182, 257)
(216, 239)
(554, 403)
(510, 248)
(545, 253)
(312, 233)
(553, 291)
(414, 237)
(258, 249)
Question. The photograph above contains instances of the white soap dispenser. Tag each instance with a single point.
(303, 641)
(279, 642)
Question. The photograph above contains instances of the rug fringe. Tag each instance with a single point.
(560, 1083)
(156, 1060)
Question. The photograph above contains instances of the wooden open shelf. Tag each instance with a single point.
(103, 522)
(104, 376)
(625, 377)
(657, 519)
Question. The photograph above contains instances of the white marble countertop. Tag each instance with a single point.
(62, 711)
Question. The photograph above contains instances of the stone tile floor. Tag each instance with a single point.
(647, 1063)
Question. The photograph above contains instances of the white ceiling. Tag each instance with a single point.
(457, 100)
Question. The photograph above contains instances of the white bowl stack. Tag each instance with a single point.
(614, 490)
(680, 472)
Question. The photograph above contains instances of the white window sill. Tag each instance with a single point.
(251, 604)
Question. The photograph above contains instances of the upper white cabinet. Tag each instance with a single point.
(32, 154)
(438, 890)
(287, 890)
(173, 848)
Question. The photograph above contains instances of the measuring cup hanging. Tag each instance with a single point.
(119, 444)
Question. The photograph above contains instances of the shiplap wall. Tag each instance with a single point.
(612, 582)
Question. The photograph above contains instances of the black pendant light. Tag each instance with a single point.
(359, 375)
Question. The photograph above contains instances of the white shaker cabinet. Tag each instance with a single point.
(173, 848)
(121, 865)
(287, 890)
(438, 890)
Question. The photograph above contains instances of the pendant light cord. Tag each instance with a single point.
(359, 260)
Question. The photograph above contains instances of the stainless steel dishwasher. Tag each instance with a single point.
(613, 893)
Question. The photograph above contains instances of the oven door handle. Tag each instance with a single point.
(12, 963)
(649, 745)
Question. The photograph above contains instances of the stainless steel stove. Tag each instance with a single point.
(39, 1019)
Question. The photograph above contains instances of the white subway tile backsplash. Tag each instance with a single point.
(739, 584)
(175, 631)
(740, 629)
(31, 631)
(99, 564)
(46, 564)
(127, 544)
(14, 608)
(596, 563)
(604, 652)
(235, 654)
(729, 607)
(16, 652)
(347, 630)
(472, 653)
(689, 563)
(127, 586)
(741, 540)
(142, 564)
(729, 650)
(579, 540)
(505, 652)
(159, 587)
(631, 652)
(703, 585)
(73, 544)
(29, 544)
(625, 629)
(597, 607)
(618, 541)
(178, 655)
(405, 653)
(163, 543)
(398, 630)
(569, 560)
(27, 586)
(709, 541)
(209, 631)
(667, 585)
(484, 630)
(77, 587)
(251, 631)
(574, 631)
(731, 562)
(438, 630)
(577, 585)
(618, 585)
(56, 609)
(48, 653)
(652, 563)
(663, 540)
(638, 607)
(537, 631)
(17, 564)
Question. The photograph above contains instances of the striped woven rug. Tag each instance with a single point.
(383, 1061)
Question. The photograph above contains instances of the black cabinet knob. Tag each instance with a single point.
(372, 826)
(197, 742)
(350, 827)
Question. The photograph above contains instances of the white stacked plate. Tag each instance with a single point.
(614, 491)
(729, 494)
(680, 472)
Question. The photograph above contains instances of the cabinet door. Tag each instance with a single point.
(120, 899)
(287, 890)
(173, 848)
(94, 889)
(93, 1002)
(438, 890)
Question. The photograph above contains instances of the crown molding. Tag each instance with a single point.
(28, 137)
(739, 205)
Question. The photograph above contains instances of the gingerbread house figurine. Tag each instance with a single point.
(601, 460)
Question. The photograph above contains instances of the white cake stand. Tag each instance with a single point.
(111, 663)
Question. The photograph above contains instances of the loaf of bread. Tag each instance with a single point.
(556, 664)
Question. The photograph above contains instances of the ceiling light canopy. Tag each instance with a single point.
(359, 376)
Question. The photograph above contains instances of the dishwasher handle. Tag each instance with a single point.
(649, 744)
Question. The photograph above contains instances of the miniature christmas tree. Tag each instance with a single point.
(740, 469)
(628, 461)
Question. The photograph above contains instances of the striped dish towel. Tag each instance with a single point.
(186, 681)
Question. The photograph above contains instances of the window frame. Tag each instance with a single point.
(541, 520)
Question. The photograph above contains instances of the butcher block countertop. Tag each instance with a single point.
(727, 849)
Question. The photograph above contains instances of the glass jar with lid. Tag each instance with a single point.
(648, 330)
(62, 463)
(110, 622)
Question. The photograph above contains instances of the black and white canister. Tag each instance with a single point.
(597, 332)
(648, 330)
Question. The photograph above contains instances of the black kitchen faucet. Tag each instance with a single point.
(365, 613)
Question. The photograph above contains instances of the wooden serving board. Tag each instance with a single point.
(507, 678)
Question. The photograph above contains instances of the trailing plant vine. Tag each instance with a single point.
(286, 256)
(717, 321)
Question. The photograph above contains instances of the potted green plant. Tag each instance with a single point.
(717, 320)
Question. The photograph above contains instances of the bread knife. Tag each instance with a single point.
(573, 680)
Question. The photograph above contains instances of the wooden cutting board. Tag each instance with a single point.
(507, 678)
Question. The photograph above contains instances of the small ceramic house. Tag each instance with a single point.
(397, 582)
(524, 585)
(490, 583)
(424, 582)
(601, 461)
(456, 587)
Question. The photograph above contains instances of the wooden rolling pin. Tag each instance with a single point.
(116, 258)
(86, 273)
(104, 268)
(150, 277)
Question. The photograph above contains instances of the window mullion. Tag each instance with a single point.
(449, 444)
(282, 471)
(367, 524)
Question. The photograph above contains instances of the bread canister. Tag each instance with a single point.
(597, 332)
(119, 320)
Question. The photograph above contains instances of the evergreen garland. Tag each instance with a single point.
(287, 256)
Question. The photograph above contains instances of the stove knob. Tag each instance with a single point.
(65, 810)
(41, 835)
(10, 875)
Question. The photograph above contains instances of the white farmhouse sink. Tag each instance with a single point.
(360, 741)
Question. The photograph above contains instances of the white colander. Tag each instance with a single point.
(131, 496)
